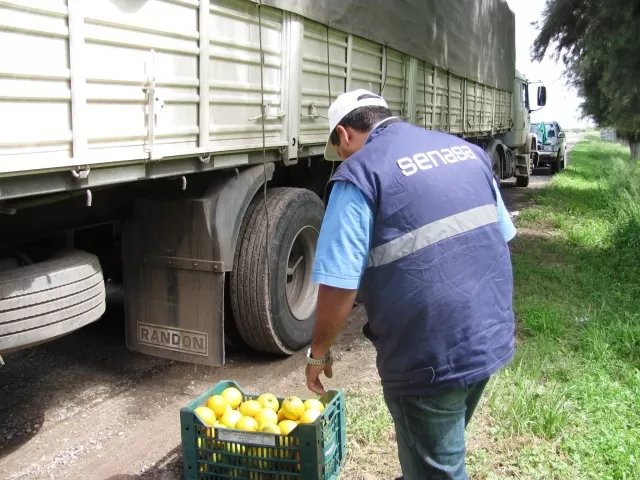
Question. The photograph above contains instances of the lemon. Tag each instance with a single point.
(235, 448)
(268, 400)
(313, 404)
(269, 428)
(247, 424)
(250, 408)
(233, 396)
(287, 426)
(281, 416)
(230, 418)
(293, 408)
(310, 416)
(267, 416)
(263, 464)
(206, 415)
(218, 404)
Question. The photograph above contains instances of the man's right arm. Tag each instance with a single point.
(504, 219)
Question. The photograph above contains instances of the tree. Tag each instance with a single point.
(599, 43)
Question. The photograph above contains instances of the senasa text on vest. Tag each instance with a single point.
(435, 158)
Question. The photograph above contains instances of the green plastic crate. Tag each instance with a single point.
(310, 452)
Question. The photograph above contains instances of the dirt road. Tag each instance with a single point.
(516, 198)
(84, 407)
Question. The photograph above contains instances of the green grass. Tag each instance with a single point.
(576, 379)
(568, 407)
(370, 436)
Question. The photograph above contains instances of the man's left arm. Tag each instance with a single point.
(341, 256)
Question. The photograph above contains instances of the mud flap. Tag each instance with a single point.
(175, 254)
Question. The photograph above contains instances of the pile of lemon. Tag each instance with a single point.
(264, 414)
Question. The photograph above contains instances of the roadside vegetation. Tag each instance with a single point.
(569, 405)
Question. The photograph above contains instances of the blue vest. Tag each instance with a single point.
(438, 286)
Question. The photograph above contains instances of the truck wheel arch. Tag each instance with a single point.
(531, 145)
(229, 198)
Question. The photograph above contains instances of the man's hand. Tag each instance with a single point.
(334, 306)
(313, 376)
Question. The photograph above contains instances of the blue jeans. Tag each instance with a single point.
(430, 432)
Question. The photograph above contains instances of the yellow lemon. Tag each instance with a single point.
(218, 404)
(233, 396)
(269, 428)
(310, 416)
(268, 400)
(267, 416)
(287, 426)
(247, 424)
(313, 404)
(206, 415)
(235, 448)
(250, 408)
(263, 464)
(281, 416)
(230, 418)
(293, 408)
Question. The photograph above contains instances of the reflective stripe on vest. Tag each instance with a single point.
(432, 233)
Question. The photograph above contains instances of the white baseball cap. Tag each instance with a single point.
(344, 105)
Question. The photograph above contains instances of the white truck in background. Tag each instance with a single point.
(176, 146)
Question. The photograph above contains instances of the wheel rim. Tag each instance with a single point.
(302, 294)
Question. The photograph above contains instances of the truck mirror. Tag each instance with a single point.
(542, 96)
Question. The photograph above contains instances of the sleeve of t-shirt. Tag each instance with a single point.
(345, 238)
(504, 219)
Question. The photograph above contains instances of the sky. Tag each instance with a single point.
(562, 102)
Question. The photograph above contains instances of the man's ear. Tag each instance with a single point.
(342, 133)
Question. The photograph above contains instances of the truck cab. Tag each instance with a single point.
(515, 152)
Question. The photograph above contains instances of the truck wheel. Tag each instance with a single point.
(50, 298)
(522, 182)
(496, 162)
(276, 313)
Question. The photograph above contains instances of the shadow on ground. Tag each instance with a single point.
(170, 467)
(52, 382)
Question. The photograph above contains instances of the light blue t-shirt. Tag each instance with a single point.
(343, 247)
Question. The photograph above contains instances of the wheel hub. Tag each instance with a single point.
(302, 293)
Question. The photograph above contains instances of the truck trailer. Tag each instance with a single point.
(175, 147)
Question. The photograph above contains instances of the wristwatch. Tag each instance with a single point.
(320, 362)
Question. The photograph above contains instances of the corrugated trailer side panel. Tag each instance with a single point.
(35, 83)
(80, 81)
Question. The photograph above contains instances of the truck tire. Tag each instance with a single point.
(275, 313)
(48, 299)
(496, 165)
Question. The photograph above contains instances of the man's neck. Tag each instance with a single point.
(376, 126)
